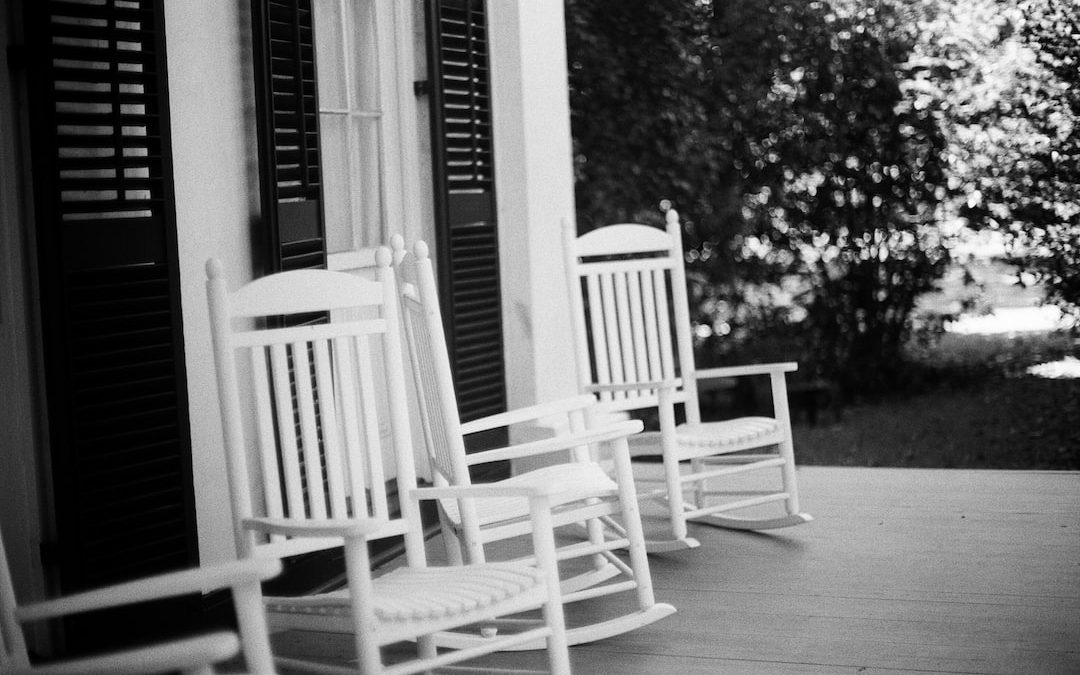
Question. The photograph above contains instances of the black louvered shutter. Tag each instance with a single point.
(290, 182)
(465, 203)
(110, 304)
(288, 109)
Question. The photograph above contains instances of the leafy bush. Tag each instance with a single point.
(806, 180)
(823, 154)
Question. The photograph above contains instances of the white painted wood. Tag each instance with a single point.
(197, 654)
(577, 486)
(534, 185)
(365, 57)
(905, 571)
(351, 261)
(629, 238)
(334, 290)
(331, 432)
(539, 411)
(740, 371)
(632, 344)
(341, 443)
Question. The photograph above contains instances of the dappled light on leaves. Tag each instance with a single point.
(824, 154)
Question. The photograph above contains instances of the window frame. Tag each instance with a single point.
(398, 189)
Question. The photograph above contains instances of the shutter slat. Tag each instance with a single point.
(287, 100)
(111, 321)
(468, 264)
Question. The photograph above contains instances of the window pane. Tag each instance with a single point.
(349, 85)
(337, 192)
(329, 54)
(365, 57)
(367, 187)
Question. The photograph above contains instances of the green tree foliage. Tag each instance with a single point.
(823, 155)
(638, 109)
(807, 177)
(1052, 240)
(1002, 79)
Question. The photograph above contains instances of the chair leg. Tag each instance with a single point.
(557, 647)
(251, 620)
(676, 509)
(357, 562)
(543, 538)
(451, 542)
(669, 452)
(596, 537)
(425, 647)
(787, 448)
(697, 465)
(788, 473)
(639, 560)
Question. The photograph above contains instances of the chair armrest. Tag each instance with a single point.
(185, 654)
(482, 491)
(642, 385)
(558, 443)
(329, 527)
(740, 371)
(152, 588)
(529, 413)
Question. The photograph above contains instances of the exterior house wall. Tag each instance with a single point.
(215, 164)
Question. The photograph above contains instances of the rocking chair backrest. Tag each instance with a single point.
(12, 643)
(432, 376)
(317, 403)
(630, 312)
(433, 379)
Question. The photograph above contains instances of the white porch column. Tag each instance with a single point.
(534, 189)
(216, 182)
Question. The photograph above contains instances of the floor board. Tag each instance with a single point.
(902, 571)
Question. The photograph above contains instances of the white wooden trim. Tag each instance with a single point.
(348, 261)
(621, 239)
(628, 301)
(262, 338)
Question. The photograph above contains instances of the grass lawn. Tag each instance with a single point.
(972, 404)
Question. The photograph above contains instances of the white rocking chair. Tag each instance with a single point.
(317, 398)
(189, 655)
(632, 331)
(582, 491)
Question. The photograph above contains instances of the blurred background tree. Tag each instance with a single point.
(1052, 31)
(823, 157)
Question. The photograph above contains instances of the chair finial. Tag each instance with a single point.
(214, 269)
(671, 217)
(383, 256)
(420, 249)
(397, 245)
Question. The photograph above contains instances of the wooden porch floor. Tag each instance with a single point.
(902, 571)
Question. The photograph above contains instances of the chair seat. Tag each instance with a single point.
(577, 480)
(729, 435)
(422, 594)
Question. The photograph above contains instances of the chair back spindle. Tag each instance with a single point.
(627, 310)
(318, 428)
(434, 384)
(432, 377)
(635, 350)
